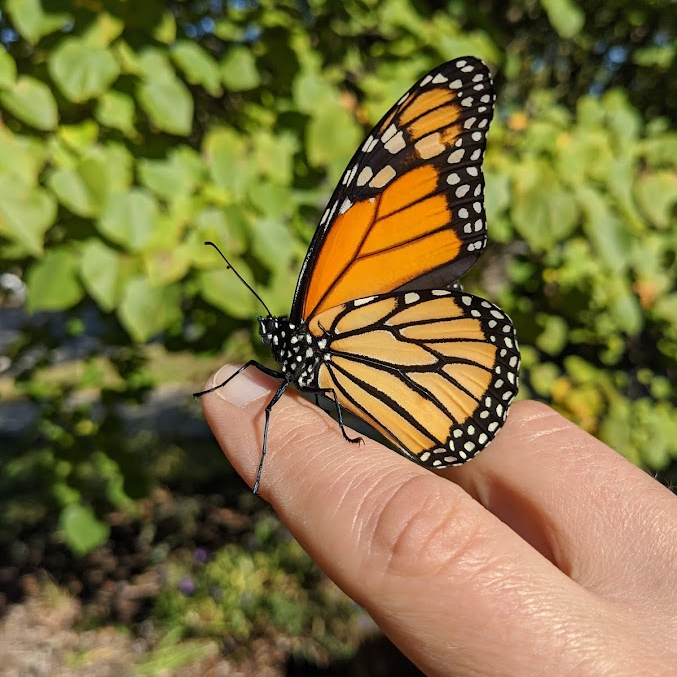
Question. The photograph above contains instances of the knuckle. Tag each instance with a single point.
(426, 526)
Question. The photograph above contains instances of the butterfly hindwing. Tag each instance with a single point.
(434, 371)
(408, 213)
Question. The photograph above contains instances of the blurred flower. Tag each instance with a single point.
(186, 586)
(200, 556)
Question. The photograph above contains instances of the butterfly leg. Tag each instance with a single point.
(326, 391)
(278, 394)
(251, 363)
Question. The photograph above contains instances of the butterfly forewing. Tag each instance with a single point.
(408, 213)
(434, 371)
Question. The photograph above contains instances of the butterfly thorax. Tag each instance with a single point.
(296, 350)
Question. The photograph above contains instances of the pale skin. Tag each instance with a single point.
(549, 554)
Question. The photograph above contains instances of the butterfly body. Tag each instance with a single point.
(379, 322)
(297, 351)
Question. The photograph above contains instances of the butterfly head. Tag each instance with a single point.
(268, 328)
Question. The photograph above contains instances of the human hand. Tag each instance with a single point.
(549, 554)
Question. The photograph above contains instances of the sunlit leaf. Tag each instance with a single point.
(82, 530)
(53, 282)
(32, 21)
(198, 65)
(222, 289)
(99, 269)
(129, 218)
(32, 102)
(26, 213)
(238, 70)
(117, 111)
(657, 196)
(7, 70)
(168, 104)
(82, 189)
(566, 17)
(82, 71)
(146, 310)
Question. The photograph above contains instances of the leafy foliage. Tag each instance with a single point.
(239, 595)
(130, 135)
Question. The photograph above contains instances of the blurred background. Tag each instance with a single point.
(130, 132)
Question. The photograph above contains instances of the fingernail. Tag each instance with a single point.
(242, 390)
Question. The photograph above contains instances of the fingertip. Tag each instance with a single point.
(250, 385)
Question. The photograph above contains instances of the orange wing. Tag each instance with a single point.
(434, 371)
(408, 213)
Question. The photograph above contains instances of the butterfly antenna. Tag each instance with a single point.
(244, 282)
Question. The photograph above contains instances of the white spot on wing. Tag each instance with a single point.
(364, 176)
(345, 206)
(396, 144)
(386, 175)
(389, 133)
(429, 146)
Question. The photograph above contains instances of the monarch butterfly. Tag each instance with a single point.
(379, 323)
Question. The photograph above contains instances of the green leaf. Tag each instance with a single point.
(32, 21)
(656, 57)
(309, 88)
(82, 71)
(271, 200)
(116, 110)
(497, 194)
(168, 104)
(153, 64)
(331, 138)
(179, 175)
(661, 149)
(274, 156)
(79, 137)
(99, 269)
(164, 30)
(53, 282)
(265, 231)
(129, 218)
(22, 157)
(82, 530)
(7, 70)
(26, 213)
(657, 196)
(543, 212)
(238, 69)
(226, 228)
(608, 234)
(168, 266)
(223, 290)
(198, 65)
(31, 101)
(229, 160)
(565, 16)
(82, 189)
(103, 30)
(146, 310)
(554, 336)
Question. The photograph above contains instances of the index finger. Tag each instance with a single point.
(406, 544)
